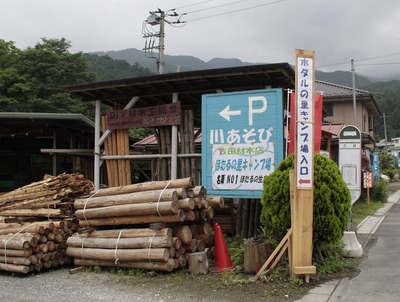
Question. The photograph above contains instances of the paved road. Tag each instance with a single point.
(379, 279)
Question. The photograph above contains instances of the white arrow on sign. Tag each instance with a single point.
(226, 113)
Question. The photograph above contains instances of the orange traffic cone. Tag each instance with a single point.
(222, 257)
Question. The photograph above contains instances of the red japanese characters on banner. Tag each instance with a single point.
(317, 123)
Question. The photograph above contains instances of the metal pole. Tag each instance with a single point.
(97, 146)
(161, 46)
(354, 91)
(174, 147)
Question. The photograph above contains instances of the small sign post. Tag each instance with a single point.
(350, 160)
(368, 183)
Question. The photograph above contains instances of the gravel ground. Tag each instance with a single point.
(61, 286)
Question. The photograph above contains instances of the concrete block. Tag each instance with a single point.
(352, 248)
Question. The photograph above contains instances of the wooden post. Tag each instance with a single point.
(303, 208)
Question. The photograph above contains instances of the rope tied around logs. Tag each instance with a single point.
(116, 248)
(159, 198)
(149, 249)
(82, 245)
(84, 208)
(5, 244)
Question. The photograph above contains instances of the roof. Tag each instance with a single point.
(331, 89)
(24, 121)
(334, 129)
(190, 86)
(27, 130)
(335, 92)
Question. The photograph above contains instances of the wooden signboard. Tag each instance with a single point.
(163, 115)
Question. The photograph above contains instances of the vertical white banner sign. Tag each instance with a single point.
(305, 121)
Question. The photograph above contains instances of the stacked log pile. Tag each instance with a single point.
(52, 197)
(35, 246)
(164, 220)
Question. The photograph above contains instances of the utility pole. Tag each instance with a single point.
(353, 71)
(158, 18)
(384, 127)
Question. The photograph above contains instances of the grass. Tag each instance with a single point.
(361, 209)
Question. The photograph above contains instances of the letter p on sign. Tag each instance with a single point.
(252, 110)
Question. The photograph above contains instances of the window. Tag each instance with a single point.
(328, 109)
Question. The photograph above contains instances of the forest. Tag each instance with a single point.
(32, 80)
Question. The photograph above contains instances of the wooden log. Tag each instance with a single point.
(192, 246)
(201, 246)
(204, 227)
(209, 213)
(145, 219)
(129, 233)
(51, 246)
(158, 255)
(43, 248)
(167, 266)
(215, 201)
(198, 263)
(199, 192)
(184, 233)
(190, 216)
(187, 134)
(33, 259)
(48, 213)
(16, 253)
(193, 229)
(114, 163)
(182, 261)
(161, 208)
(17, 242)
(186, 204)
(255, 254)
(15, 260)
(208, 239)
(18, 228)
(21, 269)
(107, 147)
(147, 186)
(172, 252)
(121, 243)
(198, 202)
(177, 242)
(193, 167)
(129, 198)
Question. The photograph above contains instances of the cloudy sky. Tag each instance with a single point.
(257, 31)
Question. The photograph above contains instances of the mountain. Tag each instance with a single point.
(187, 63)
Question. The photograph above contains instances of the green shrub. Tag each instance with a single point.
(379, 192)
(331, 202)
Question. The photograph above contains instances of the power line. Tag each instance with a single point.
(379, 57)
(217, 6)
(366, 59)
(189, 5)
(237, 10)
(374, 64)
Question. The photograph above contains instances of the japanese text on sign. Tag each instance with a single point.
(304, 112)
(164, 115)
(242, 166)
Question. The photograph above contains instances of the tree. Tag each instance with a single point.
(331, 202)
(32, 80)
(14, 87)
(107, 68)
